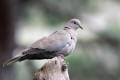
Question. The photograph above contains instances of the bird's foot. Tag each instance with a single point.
(61, 55)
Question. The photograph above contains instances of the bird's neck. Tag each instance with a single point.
(66, 28)
(69, 27)
(71, 30)
(72, 33)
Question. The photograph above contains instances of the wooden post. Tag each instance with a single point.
(54, 69)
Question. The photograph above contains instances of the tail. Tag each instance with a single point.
(11, 61)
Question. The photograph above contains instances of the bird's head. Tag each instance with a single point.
(74, 24)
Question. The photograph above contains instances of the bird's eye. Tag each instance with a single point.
(74, 22)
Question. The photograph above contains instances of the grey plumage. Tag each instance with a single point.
(59, 43)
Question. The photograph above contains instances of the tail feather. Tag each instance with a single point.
(11, 61)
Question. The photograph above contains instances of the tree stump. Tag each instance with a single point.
(54, 69)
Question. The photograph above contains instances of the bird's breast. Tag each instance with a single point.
(70, 45)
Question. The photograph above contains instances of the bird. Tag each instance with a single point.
(60, 43)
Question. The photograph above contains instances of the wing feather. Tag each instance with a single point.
(55, 42)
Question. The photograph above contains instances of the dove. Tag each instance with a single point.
(59, 43)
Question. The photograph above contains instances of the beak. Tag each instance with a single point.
(80, 26)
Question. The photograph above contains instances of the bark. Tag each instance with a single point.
(54, 69)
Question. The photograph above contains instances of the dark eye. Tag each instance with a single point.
(74, 22)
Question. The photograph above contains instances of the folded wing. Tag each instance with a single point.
(55, 42)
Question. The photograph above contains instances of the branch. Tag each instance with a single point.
(54, 69)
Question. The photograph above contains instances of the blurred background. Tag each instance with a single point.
(97, 54)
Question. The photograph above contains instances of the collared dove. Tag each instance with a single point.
(59, 43)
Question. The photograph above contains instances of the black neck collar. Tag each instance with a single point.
(67, 28)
